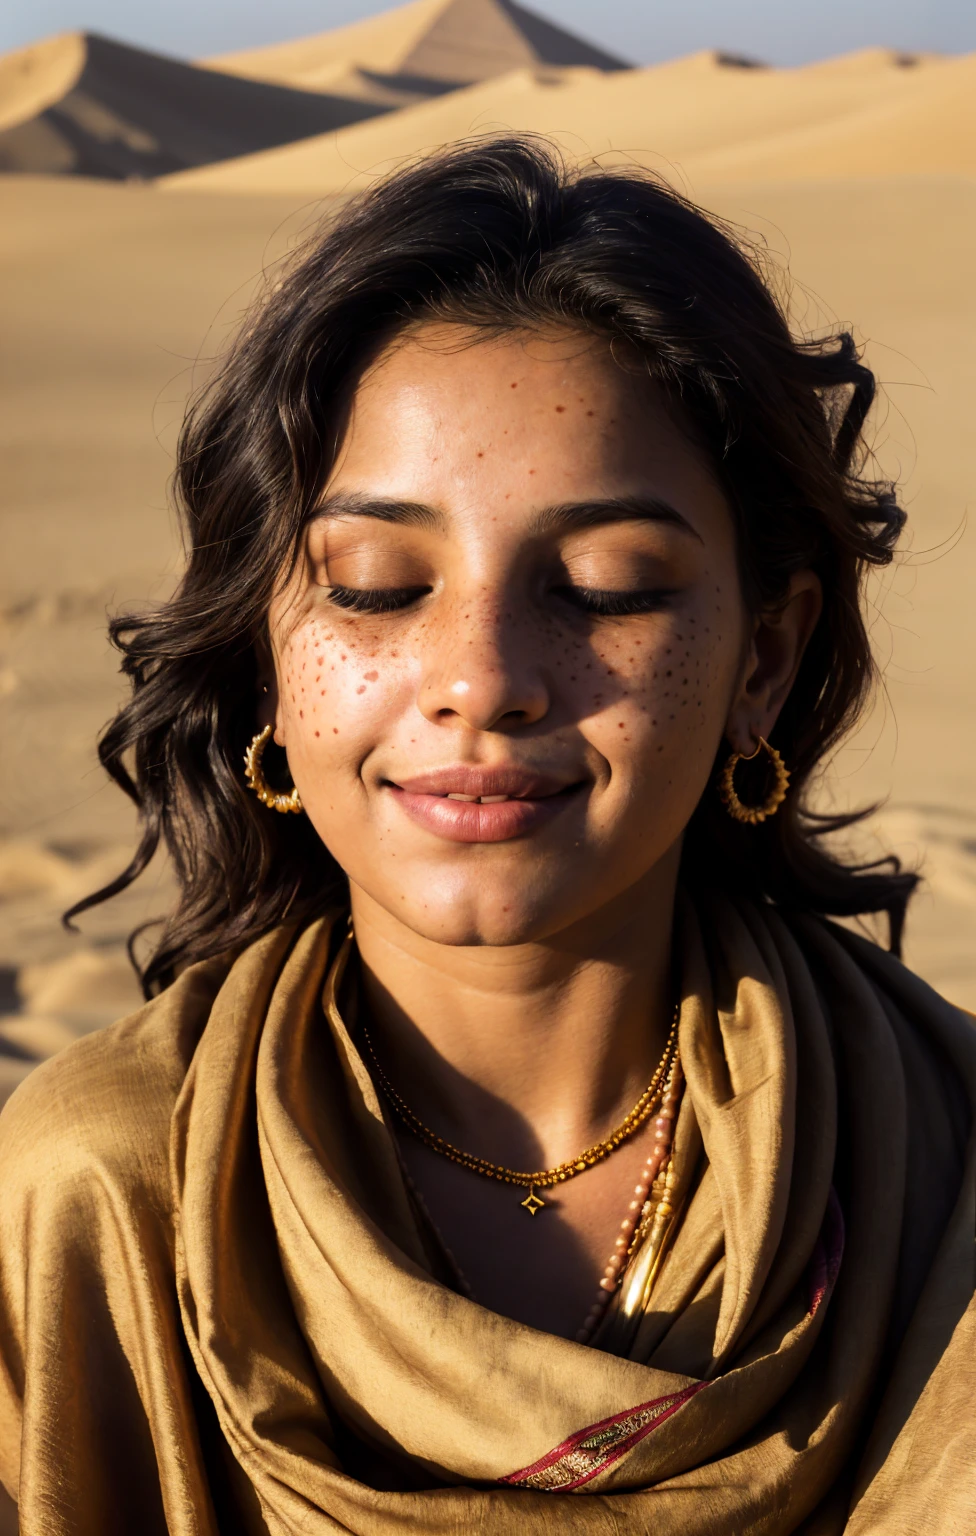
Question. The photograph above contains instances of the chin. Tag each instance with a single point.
(495, 930)
(481, 918)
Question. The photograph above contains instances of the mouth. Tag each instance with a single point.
(464, 804)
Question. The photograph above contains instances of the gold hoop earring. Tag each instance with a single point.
(256, 780)
(754, 813)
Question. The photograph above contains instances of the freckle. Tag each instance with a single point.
(480, 454)
(318, 661)
(515, 385)
(301, 714)
(591, 413)
(335, 730)
(371, 676)
(531, 471)
(560, 409)
(343, 656)
(620, 725)
(317, 733)
(361, 688)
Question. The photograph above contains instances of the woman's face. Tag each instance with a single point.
(508, 660)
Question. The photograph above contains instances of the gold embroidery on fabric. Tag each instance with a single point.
(584, 1456)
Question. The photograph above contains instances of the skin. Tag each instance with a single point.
(517, 979)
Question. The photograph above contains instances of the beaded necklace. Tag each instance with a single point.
(542, 1178)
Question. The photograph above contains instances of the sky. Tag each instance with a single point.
(644, 31)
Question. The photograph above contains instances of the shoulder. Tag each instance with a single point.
(102, 1107)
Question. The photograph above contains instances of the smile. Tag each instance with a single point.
(479, 805)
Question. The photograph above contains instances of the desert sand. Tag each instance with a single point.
(860, 172)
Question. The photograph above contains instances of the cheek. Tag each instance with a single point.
(655, 693)
(335, 683)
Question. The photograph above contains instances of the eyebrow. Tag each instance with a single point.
(412, 514)
(565, 517)
(571, 515)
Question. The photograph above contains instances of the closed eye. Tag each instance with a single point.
(376, 599)
(609, 603)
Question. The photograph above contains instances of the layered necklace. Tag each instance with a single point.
(650, 1214)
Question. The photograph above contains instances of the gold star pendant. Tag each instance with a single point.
(532, 1203)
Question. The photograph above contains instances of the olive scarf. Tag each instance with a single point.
(220, 1310)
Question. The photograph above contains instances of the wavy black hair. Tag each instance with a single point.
(501, 234)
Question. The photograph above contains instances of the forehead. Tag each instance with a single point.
(517, 421)
(518, 384)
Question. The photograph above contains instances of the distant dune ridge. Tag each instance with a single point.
(421, 49)
(87, 106)
(84, 105)
(114, 299)
(704, 117)
(323, 115)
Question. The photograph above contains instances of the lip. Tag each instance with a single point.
(537, 799)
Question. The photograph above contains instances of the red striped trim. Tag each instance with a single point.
(590, 1451)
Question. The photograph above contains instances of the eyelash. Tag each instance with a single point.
(606, 603)
(375, 599)
(597, 601)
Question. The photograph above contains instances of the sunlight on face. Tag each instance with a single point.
(506, 664)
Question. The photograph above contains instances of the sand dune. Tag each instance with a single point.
(701, 117)
(35, 78)
(428, 44)
(930, 127)
(85, 105)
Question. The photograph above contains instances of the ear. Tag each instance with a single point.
(779, 638)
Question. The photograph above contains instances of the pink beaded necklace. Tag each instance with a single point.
(650, 1211)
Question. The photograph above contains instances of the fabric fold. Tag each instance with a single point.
(224, 1201)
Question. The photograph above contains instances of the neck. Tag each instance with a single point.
(528, 1053)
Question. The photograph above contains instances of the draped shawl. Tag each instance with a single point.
(220, 1310)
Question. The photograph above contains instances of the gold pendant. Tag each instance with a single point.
(532, 1203)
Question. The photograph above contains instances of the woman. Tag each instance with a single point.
(510, 1143)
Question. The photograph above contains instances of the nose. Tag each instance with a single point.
(485, 671)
